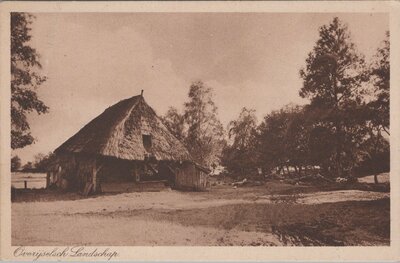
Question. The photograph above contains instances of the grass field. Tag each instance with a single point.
(274, 214)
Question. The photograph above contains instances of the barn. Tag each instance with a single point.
(126, 148)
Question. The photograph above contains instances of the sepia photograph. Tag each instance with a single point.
(192, 129)
(228, 129)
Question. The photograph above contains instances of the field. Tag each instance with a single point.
(33, 180)
(273, 214)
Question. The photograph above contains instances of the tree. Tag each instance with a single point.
(42, 161)
(175, 122)
(15, 163)
(24, 80)
(205, 132)
(380, 76)
(282, 139)
(240, 156)
(378, 159)
(333, 81)
(271, 140)
(298, 137)
(28, 167)
(241, 130)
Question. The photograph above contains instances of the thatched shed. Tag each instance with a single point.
(127, 147)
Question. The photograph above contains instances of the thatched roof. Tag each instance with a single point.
(118, 131)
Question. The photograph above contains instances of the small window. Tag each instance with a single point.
(146, 141)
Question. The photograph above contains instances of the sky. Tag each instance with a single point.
(94, 60)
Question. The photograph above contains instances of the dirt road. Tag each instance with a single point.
(176, 218)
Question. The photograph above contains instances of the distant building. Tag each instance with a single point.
(126, 148)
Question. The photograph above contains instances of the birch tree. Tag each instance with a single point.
(240, 155)
(205, 132)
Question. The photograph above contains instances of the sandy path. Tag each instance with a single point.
(176, 200)
(75, 222)
(382, 178)
(97, 231)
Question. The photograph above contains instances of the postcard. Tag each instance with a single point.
(205, 131)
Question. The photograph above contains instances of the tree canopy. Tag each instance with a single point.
(15, 163)
(25, 79)
(380, 76)
(240, 155)
(199, 127)
(333, 81)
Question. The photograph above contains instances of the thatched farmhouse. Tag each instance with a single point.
(126, 148)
